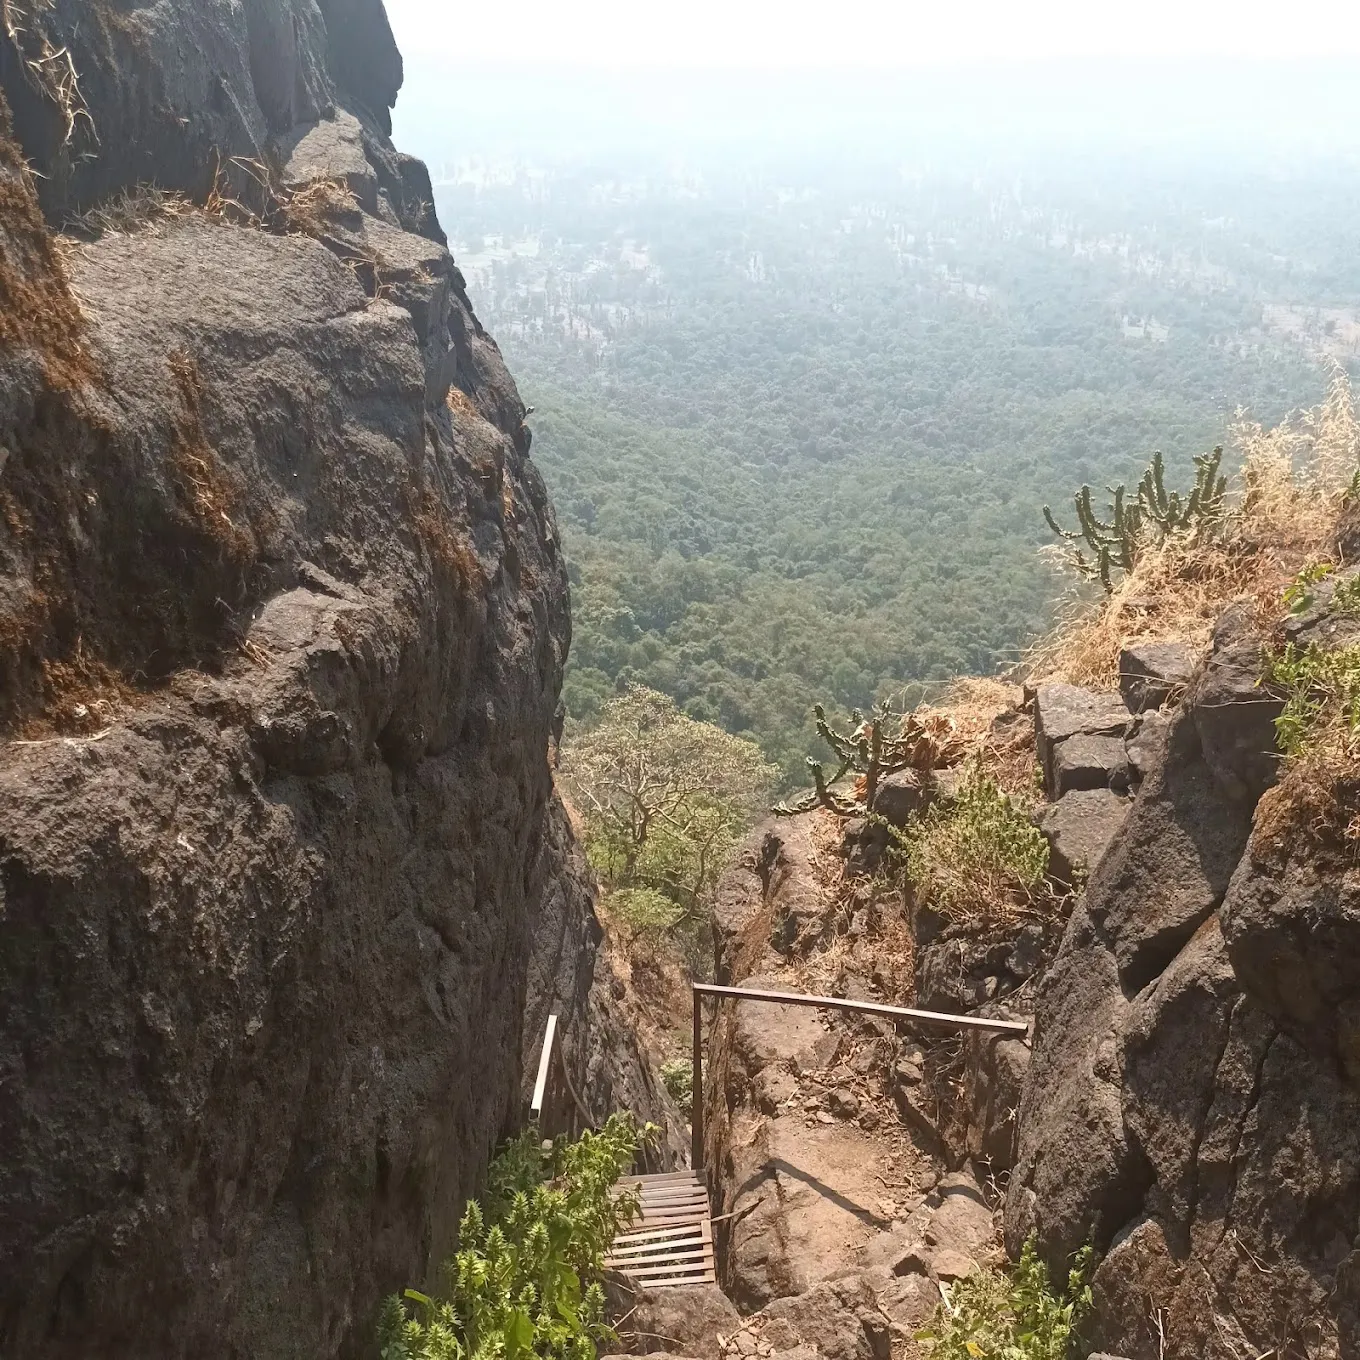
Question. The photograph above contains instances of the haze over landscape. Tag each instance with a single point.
(816, 316)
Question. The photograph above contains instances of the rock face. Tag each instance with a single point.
(1151, 673)
(286, 627)
(1062, 712)
(1192, 1104)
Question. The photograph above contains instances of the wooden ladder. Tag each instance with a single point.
(671, 1243)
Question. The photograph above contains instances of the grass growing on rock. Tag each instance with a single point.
(976, 854)
(1284, 504)
(1018, 1315)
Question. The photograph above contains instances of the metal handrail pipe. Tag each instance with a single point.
(834, 1003)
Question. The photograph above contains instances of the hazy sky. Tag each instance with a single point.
(881, 33)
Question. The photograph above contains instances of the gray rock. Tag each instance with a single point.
(839, 1317)
(686, 1320)
(1079, 828)
(1191, 1104)
(771, 878)
(994, 1078)
(1063, 711)
(1151, 673)
(1084, 762)
(330, 149)
(1147, 746)
(1234, 715)
(1170, 867)
(1292, 927)
(175, 89)
(844, 1102)
(273, 932)
(900, 795)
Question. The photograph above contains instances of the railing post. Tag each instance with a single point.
(696, 1112)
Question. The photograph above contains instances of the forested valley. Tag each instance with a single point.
(799, 423)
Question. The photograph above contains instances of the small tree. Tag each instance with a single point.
(665, 797)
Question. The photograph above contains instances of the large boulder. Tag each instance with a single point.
(1191, 1105)
(685, 1320)
(290, 629)
(1234, 715)
(994, 1080)
(1079, 828)
(1087, 762)
(840, 1318)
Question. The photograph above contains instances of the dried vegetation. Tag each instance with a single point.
(38, 311)
(1285, 501)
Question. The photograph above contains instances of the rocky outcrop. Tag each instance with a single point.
(1191, 1105)
(282, 624)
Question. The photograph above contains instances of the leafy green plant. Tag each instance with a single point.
(1346, 597)
(1299, 594)
(1015, 1316)
(973, 853)
(642, 911)
(677, 1075)
(1321, 689)
(525, 1281)
(1152, 516)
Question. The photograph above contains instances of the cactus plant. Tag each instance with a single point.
(1151, 517)
(872, 752)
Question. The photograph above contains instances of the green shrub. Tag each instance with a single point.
(1321, 689)
(1020, 1316)
(973, 853)
(677, 1076)
(1346, 597)
(1299, 594)
(643, 911)
(525, 1281)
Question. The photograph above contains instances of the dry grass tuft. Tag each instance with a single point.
(1316, 804)
(309, 211)
(48, 69)
(198, 471)
(38, 311)
(446, 546)
(987, 718)
(1287, 499)
(81, 695)
(144, 207)
(459, 402)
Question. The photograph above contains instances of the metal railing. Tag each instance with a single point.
(551, 1062)
(832, 1003)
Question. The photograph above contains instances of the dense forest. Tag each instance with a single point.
(799, 425)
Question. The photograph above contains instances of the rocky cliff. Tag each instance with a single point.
(1192, 1104)
(282, 624)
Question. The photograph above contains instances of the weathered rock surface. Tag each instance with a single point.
(1151, 673)
(1191, 1105)
(1079, 828)
(994, 1078)
(1086, 762)
(289, 628)
(685, 1321)
(901, 794)
(1063, 711)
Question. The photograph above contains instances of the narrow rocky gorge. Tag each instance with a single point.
(287, 893)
